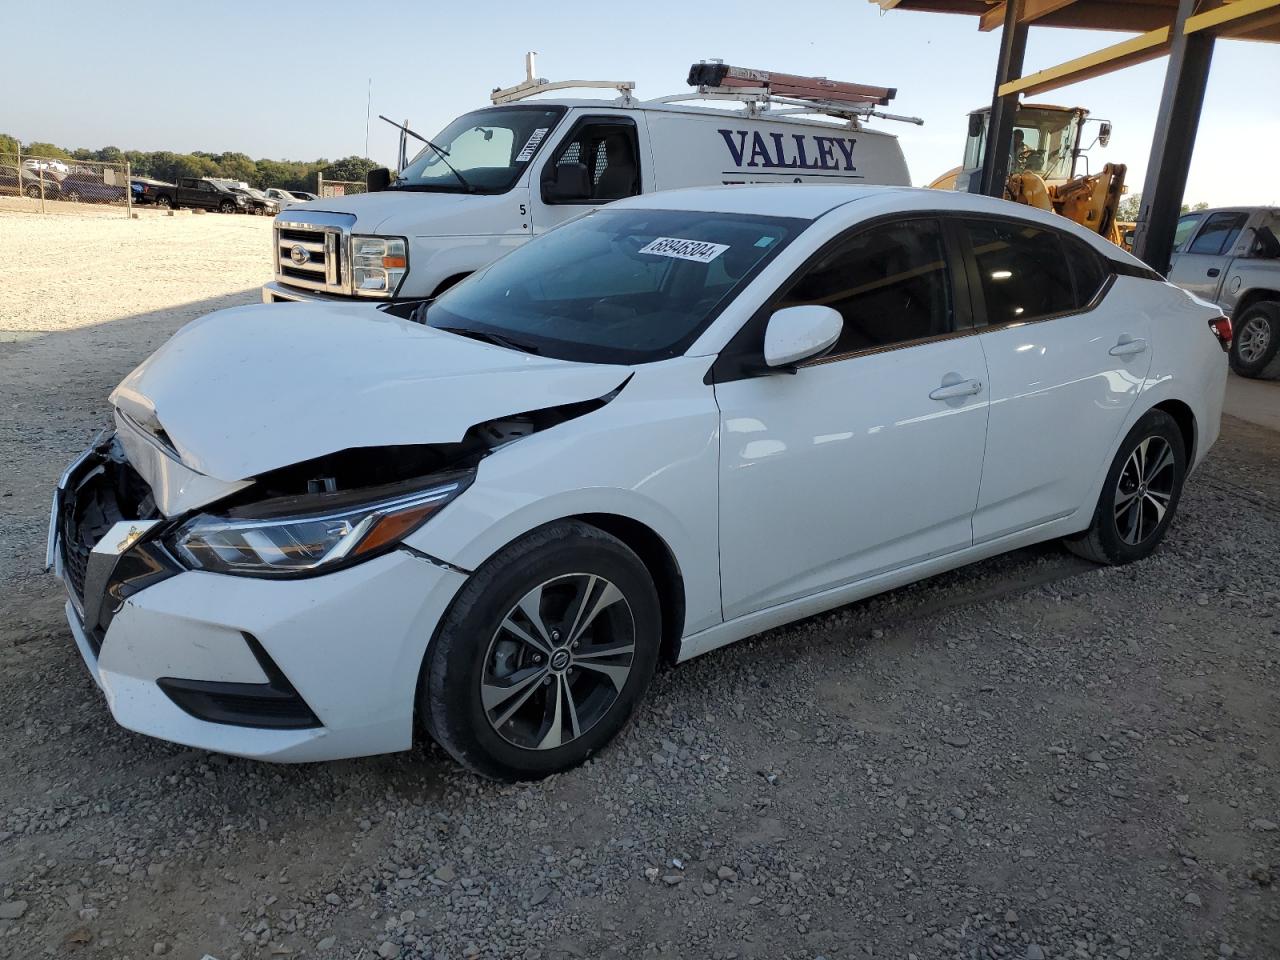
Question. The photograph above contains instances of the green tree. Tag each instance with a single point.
(349, 168)
(39, 149)
(9, 146)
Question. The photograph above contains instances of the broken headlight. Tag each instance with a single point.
(378, 265)
(307, 543)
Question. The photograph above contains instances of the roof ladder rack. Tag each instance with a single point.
(759, 89)
(534, 84)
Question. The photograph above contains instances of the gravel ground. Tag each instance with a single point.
(1030, 758)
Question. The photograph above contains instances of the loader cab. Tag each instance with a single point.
(1047, 141)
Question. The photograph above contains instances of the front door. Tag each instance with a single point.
(869, 458)
(1066, 365)
(1199, 268)
(602, 155)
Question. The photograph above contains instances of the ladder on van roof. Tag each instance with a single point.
(761, 89)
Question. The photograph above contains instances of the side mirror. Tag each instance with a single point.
(568, 181)
(379, 178)
(1104, 134)
(800, 333)
(975, 125)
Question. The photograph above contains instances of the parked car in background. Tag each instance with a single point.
(259, 202)
(1231, 257)
(89, 186)
(670, 424)
(207, 194)
(148, 191)
(28, 181)
(288, 198)
(57, 166)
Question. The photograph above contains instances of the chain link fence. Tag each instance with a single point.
(47, 183)
(338, 188)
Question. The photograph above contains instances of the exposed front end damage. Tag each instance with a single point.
(195, 598)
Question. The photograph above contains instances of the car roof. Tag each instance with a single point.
(806, 201)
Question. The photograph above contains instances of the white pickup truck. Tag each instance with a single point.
(1231, 256)
(496, 177)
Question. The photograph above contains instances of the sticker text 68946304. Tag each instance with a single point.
(699, 251)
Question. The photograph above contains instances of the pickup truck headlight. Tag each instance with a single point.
(303, 544)
(378, 265)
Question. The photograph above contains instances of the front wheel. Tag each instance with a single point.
(74, 196)
(164, 203)
(544, 654)
(33, 191)
(1255, 342)
(226, 206)
(1140, 494)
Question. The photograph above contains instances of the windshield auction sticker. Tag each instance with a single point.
(535, 138)
(697, 250)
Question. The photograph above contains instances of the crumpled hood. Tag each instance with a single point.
(251, 389)
(411, 213)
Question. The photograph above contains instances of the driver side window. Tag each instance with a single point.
(607, 152)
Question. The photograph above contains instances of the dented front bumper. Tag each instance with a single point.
(271, 669)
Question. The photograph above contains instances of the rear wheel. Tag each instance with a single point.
(1140, 495)
(1255, 341)
(73, 196)
(544, 654)
(33, 191)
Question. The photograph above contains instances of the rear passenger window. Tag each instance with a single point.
(1087, 271)
(1023, 271)
(890, 284)
(1219, 233)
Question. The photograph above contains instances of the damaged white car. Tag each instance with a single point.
(668, 425)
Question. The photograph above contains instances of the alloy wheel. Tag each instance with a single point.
(1144, 490)
(1253, 339)
(558, 661)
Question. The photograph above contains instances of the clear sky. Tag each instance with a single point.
(290, 82)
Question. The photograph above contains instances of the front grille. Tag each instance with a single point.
(104, 492)
(312, 256)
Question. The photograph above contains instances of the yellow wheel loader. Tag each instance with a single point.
(1043, 161)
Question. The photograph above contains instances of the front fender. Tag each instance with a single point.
(649, 455)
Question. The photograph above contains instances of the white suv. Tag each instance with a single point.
(668, 425)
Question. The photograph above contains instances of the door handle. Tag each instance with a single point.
(1128, 347)
(956, 389)
(1214, 271)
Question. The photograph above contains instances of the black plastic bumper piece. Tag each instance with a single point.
(274, 705)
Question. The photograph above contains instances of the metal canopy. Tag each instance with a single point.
(1182, 30)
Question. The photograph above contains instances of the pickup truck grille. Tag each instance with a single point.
(313, 256)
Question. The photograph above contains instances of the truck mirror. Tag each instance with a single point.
(975, 125)
(1104, 134)
(379, 178)
(568, 181)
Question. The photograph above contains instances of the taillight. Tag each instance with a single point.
(1221, 327)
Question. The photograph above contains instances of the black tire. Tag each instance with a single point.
(164, 202)
(32, 190)
(226, 206)
(1117, 534)
(472, 646)
(1257, 331)
(73, 196)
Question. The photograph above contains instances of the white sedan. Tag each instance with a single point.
(663, 427)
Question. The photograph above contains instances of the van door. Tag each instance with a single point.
(598, 161)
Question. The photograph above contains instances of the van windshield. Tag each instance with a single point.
(615, 286)
(489, 148)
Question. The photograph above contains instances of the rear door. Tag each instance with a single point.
(1200, 267)
(1066, 364)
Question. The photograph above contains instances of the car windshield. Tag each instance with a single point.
(488, 148)
(615, 286)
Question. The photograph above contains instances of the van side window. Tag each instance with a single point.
(1022, 269)
(1219, 233)
(890, 284)
(608, 150)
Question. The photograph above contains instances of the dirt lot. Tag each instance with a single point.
(1031, 758)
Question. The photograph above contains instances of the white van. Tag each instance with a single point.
(497, 176)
